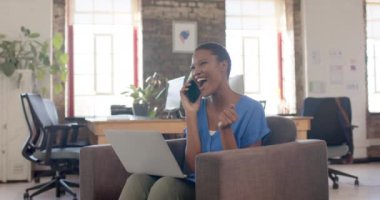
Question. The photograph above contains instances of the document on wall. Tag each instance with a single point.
(316, 57)
(336, 74)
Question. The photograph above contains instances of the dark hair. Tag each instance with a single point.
(219, 51)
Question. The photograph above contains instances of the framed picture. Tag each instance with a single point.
(184, 36)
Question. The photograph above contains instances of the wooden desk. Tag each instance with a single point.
(303, 124)
(98, 125)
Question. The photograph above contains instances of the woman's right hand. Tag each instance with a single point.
(187, 105)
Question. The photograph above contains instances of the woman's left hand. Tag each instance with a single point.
(227, 117)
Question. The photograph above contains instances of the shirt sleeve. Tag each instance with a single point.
(254, 126)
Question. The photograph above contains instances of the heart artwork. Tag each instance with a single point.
(184, 35)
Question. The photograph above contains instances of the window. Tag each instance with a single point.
(252, 33)
(103, 54)
(373, 55)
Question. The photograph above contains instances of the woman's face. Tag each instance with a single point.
(207, 71)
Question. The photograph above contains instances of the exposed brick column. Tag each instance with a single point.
(59, 25)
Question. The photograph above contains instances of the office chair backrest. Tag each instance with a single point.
(263, 103)
(37, 139)
(237, 83)
(38, 107)
(282, 130)
(51, 110)
(328, 121)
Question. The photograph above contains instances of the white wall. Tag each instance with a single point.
(33, 14)
(335, 57)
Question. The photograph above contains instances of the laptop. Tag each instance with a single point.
(144, 152)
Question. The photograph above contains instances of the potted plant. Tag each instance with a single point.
(29, 52)
(148, 100)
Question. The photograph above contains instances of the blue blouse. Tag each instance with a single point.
(249, 128)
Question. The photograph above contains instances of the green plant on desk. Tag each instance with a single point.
(149, 100)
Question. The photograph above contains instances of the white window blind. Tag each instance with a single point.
(373, 55)
(103, 54)
(251, 39)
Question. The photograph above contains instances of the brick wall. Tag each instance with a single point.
(157, 18)
(59, 19)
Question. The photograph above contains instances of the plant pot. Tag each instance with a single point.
(140, 109)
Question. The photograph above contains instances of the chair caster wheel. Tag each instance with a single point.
(356, 182)
(335, 186)
(62, 191)
(26, 196)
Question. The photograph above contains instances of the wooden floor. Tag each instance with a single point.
(369, 188)
(369, 182)
(15, 191)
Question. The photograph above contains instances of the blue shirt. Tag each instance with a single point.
(249, 128)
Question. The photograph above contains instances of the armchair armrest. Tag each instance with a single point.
(283, 171)
(102, 176)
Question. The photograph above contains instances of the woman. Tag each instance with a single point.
(219, 119)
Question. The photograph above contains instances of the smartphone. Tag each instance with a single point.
(193, 91)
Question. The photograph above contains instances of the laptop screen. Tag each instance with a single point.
(144, 152)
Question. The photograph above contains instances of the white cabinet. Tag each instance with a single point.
(13, 128)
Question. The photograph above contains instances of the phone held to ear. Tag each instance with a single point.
(193, 91)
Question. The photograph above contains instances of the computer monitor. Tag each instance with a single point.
(173, 99)
(237, 83)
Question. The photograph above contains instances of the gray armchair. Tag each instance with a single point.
(282, 130)
(283, 171)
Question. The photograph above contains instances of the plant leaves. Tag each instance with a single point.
(31, 53)
(34, 35)
(58, 88)
(63, 76)
(57, 41)
(8, 68)
(63, 59)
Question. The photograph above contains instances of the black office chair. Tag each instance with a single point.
(42, 149)
(77, 124)
(332, 122)
(263, 103)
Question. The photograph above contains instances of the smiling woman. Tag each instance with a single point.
(219, 119)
